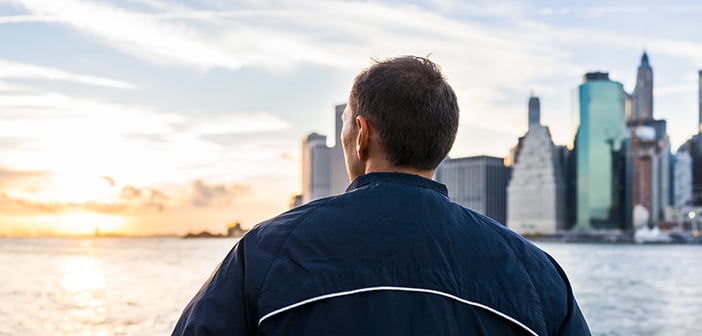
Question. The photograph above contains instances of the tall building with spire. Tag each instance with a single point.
(642, 98)
(536, 193)
(649, 151)
(534, 111)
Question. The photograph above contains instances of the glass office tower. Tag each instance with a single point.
(598, 144)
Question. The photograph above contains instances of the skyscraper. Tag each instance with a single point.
(649, 178)
(339, 176)
(315, 167)
(536, 193)
(323, 168)
(694, 147)
(600, 109)
(534, 112)
(650, 168)
(478, 183)
(699, 101)
(642, 104)
(683, 178)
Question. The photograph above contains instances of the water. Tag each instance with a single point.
(125, 286)
(635, 289)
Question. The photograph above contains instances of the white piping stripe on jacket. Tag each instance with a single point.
(392, 288)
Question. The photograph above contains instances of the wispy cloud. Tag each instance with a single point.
(140, 34)
(14, 70)
(204, 195)
(28, 19)
(131, 143)
(13, 178)
(131, 199)
(615, 10)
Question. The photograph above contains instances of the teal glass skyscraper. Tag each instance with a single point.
(600, 108)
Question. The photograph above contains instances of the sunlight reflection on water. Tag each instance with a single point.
(105, 286)
(80, 274)
(131, 286)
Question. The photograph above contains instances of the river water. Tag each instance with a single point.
(138, 286)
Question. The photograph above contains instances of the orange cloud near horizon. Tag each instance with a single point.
(86, 206)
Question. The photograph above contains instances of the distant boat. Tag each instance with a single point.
(646, 235)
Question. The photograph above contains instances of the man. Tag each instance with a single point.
(392, 255)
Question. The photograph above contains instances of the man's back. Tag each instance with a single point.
(391, 256)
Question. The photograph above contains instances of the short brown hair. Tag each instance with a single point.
(414, 109)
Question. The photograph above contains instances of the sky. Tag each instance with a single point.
(145, 117)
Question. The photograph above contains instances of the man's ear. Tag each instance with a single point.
(362, 137)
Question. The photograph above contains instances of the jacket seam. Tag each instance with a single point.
(404, 289)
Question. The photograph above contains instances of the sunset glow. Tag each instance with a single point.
(159, 117)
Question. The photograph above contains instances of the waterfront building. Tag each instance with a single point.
(478, 183)
(694, 146)
(536, 193)
(566, 157)
(323, 168)
(650, 173)
(337, 165)
(650, 168)
(600, 109)
(315, 168)
(682, 178)
(295, 201)
(642, 97)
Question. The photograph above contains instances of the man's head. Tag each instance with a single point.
(400, 110)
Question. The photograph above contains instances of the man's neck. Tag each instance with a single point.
(386, 167)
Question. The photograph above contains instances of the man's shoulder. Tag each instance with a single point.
(523, 251)
(276, 229)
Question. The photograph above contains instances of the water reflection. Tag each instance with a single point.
(80, 274)
(83, 283)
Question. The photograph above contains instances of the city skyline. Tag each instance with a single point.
(145, 117)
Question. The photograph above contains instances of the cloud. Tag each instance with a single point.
(549, 11)
(28, 19)
(146, 197)
(280, 36)
(130, 200)
(22, 70)
(614, 10)
(236, 124)
(58, 131)
(683, 8)
(203, 195)
(11, 178)
(136, 33)
(110, 181)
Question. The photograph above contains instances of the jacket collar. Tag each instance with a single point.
(401, 178)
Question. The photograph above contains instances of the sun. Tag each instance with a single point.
(86, 223)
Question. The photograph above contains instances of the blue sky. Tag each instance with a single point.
(201, 105)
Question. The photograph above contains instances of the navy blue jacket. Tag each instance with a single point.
(391, 256)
